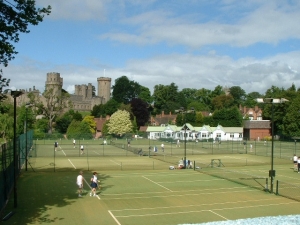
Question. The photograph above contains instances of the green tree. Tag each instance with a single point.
(228, 117)
(204, 96)
(166, 98)
(125, 90)
(145, 95)
(91, 122)
(6, 124)
(250, 100)
(79, 130)
(140, 111)
(238, 95)
(119, 123)
(3, 83)
(16, 16)
(222, 101)
(291, 120)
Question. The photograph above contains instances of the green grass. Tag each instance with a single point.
(142, 189)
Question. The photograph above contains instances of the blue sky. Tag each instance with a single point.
(197, 44)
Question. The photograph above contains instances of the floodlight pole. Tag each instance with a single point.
(272, 171)
(15, 94)
(272, 101)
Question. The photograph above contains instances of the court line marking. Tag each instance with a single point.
(178, 195)
(115, 219)
(243, 159)
(197, 190)
(205, 210)
(157, 184)
(72, 164)
(187, 206)
(218, 214)
(115, 162)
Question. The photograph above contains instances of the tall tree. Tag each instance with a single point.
(140, 111)
(238, 95)
(125, 90)
(166, 98)
(228, 117)
(119, 123)
(291, 120)
(16, 15)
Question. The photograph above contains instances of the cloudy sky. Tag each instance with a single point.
(253, 44)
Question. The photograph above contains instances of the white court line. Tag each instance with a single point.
(115, 162)
(64, 152)
(72, 164)
(114, 217)
(206, 210)
(157, 183)
(179, 195)
(199, 205)
(218, 214)
(243, 159)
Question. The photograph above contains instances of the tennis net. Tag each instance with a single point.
(288, 190)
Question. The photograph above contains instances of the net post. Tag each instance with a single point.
(266, 185)
(277, 184)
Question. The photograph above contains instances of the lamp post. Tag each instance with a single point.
(14, 95)
(183, 111)
(272, 101)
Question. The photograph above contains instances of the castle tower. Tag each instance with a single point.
(55, 82)
(89, 93)
(104, 86)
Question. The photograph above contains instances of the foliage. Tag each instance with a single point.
(41, 126)
(6, 124)
(166, 98)
(228, 117)
(119, 123)
(79, 130)
(222, 101)
(3, 83)
(238, 95)
(103, 110)
(91, 122)
(16, 16)
(140, 111)
(125, 90)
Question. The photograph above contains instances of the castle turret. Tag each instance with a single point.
(104, 86)
(55, 82)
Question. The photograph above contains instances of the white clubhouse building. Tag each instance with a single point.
(191, 133)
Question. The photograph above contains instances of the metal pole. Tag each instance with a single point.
(26, 152)
(15, 153)
(272, 172)
(184, 142)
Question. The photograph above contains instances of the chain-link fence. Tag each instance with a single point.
(13, 159)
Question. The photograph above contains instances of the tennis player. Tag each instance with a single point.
(94, 184)
(79, 183)
(295, 159)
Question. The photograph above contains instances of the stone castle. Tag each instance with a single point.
(83, 98)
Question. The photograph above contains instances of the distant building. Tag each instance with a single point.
(82, 99)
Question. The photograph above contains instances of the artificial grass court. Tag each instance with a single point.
(145, 196)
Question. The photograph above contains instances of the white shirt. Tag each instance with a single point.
(79, 179)
(295, 158)
(95, 179)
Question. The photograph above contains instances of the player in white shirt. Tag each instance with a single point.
(79, 183)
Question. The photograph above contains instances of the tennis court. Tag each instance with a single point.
(145, 196)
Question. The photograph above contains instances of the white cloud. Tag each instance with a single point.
(186, 71)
